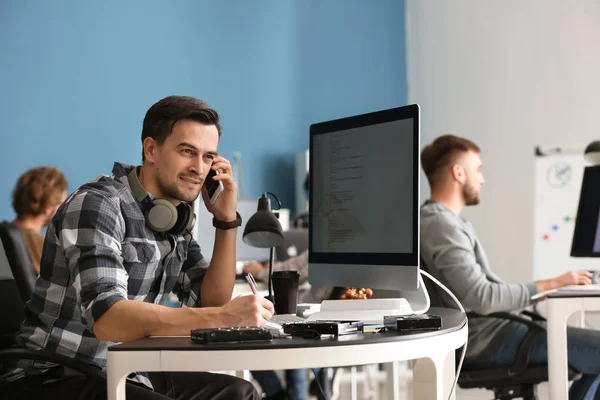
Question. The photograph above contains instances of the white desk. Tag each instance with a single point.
(432, 380)
(560, 308)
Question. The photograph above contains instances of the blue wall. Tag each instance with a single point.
(77, 78)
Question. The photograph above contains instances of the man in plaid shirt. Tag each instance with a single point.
(107, 269)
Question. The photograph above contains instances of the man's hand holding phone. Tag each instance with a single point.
(219, 191)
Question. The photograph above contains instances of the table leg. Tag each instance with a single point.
(433, 377)
(581, 319)
(392, 381)
(116, 376)
(119, 364)
(559, 311)
(354, 383)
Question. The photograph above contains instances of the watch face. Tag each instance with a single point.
(559, 174)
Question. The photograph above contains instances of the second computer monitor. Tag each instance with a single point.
(364, 200)
(586, 238)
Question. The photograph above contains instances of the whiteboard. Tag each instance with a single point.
(558, 176)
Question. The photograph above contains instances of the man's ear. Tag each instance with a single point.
(458, 173)
(150, 148)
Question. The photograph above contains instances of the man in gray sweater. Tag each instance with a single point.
(451, 251)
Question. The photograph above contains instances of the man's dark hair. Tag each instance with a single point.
(443, 153)
(162, 116)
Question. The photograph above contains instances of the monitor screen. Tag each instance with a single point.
(586, 238)
(364, 187)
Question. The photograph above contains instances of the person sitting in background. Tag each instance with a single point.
(301, 220)
(453, 254)
(36, 197)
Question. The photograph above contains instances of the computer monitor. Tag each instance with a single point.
(586, 238)
(364, 200)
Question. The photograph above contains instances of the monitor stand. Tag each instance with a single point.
(372, 311)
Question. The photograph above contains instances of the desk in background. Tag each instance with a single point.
(432, 380)
(560, 308)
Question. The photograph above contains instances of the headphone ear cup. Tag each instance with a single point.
(191, 220)
(162, 216)
(185, 219)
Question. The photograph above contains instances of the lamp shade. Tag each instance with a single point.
(263, 228)
(592, 153)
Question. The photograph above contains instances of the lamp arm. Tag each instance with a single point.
(271, 259)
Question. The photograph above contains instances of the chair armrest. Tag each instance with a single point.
(524, 351)
(11, 356)
(534, 316)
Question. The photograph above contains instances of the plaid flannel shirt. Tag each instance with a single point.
(99, 250)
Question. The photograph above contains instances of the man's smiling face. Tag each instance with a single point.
(182, 162)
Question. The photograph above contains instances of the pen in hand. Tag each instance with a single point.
(252, 283)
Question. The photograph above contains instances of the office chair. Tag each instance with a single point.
(516, 381)
(11, 308)
(18, 259)
(11, 315)
(520, 379)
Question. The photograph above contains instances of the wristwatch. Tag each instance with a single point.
(228, 225)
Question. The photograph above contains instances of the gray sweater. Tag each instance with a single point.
(451, 252)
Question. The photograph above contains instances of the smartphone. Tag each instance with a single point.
(213, 188)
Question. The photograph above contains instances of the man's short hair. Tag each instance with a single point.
(443, 153)
(37, 190)
(162, 116)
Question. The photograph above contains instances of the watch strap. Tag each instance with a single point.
(223, 225)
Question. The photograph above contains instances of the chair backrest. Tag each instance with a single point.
(18, 259)
(295, 241)
(11, 304)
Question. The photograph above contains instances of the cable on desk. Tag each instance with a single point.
(464, 351)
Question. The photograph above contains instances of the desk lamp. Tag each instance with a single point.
(263, 230)
(592, 153)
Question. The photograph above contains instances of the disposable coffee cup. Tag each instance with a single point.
(285, 291)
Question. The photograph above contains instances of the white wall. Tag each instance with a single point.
(508, 75)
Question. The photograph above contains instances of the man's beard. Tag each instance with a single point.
(172, 191)
(470, 195)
